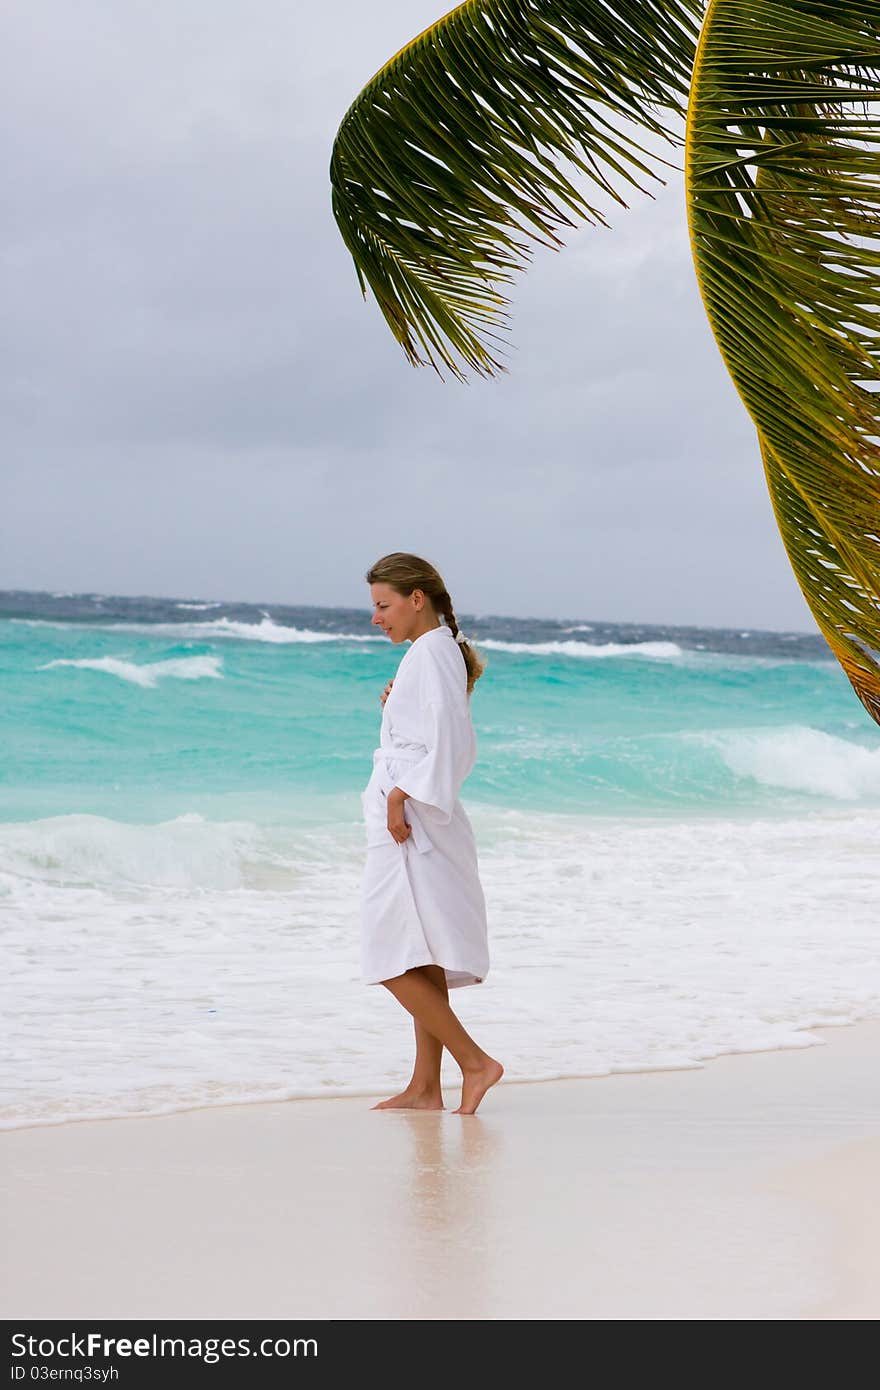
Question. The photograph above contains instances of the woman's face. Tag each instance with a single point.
(396, 614)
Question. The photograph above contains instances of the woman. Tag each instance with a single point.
(423, 914)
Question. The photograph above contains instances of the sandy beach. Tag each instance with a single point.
(745, 1189)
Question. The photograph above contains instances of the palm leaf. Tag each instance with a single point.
(452, 162)
(783, 186)
(446, 169)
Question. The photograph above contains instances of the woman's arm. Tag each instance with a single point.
(436, 778)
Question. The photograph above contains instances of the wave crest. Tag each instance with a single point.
(185, 853)
(184, 668)
(653, 651)
(264, 631)
(802, 759)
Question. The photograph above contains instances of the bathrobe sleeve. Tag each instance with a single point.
(448, 736)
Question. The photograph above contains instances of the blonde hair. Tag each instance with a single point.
(404, 573)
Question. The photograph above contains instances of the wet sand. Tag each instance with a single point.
(745, 1189)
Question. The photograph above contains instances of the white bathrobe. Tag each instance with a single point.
(421, 901)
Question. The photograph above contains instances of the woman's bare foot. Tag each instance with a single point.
(476, 1083)
(413, 1098)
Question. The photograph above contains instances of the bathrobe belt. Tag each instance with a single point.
(420, 838)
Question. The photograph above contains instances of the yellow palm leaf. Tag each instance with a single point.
(783, 189)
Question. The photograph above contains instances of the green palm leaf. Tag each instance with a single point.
(488, 132)
(783, 186)
(447, 167)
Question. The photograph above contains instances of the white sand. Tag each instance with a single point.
(746, 1189)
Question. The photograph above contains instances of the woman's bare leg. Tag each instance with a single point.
(423, 1091)
(415, 991)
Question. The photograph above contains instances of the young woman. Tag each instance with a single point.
(423, 914)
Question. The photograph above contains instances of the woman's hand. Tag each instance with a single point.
(396, 822)
(386, 692)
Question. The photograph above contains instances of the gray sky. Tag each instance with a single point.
(200, 403)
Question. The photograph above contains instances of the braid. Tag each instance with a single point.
(472, 661)
(445, 605)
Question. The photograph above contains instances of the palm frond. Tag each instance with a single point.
(445, 170)
(783, 185)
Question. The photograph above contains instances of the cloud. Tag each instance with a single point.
(197, 400)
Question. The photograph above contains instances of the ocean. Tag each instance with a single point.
(676, 827)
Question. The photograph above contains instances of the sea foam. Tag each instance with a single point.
(95, 851)
(652, 651)
(616, 945)
(148, 674)
(799, 758)
(264, 631)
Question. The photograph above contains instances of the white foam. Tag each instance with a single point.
(267, 630)
(616, 945)
(148, 675)
(198, 607)
(94, 851)
(799, 758)
(264, 631)
(653, 651)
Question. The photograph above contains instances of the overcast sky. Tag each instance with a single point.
(199, 403)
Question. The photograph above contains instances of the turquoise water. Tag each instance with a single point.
(279, 723)
(676, 829)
